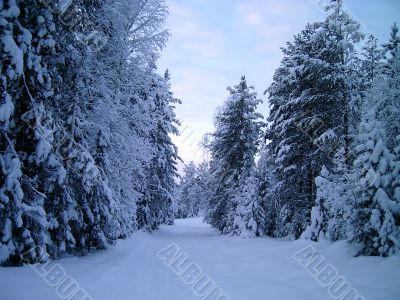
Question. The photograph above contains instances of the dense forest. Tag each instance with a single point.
(85, 122)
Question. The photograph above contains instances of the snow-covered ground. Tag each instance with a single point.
(248, 269)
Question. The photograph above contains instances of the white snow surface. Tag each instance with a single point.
(248, 269)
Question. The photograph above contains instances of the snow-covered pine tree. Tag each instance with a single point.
(341, 33)
(333, 203)
(62, 188)
(187, 202)
(155, 206)
(30, 166)
(339, 190)
(108, 86)
(249, 218)
(391, 47)
(197, 194)
(204, 179)
(296, 128)
(387, 89)
(267, 184)
(289, 136)
(310, 89)
(135, 37)
(372, 61)
(233, 149)
(374, 225)
(364, 71)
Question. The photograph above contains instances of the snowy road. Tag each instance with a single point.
(253, 269)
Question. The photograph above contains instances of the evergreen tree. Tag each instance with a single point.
(386, 91)
(310, 90)
(204, 181)
(75, 121)
(372, 61)
(391, 47)
(375, 219)
(29, 164)
(333, 203)
(156, 202)
(189, 197)
(249, 219)
(233, 148)
(267, 186)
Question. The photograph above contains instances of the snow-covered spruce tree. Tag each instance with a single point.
(188, 197)
(374, 223)
(182, 199)
(135, 29)
(281, 132)
(395, 188)
(31, 168)
(375, 226)
(72, 191)
(81, 88)
(386, 89)
(193, 192)
(109, 85)
(337, 193)
(298, 118)
(333, 203)
(371, 61)
(336, 189)
(233, 148)
(319, 215)
(249, 218)
(204, 179)
(198, 192)
(364, 71)
(391, 47)
(267, 185)
(311, 88)
(155, 205)
(340, 35)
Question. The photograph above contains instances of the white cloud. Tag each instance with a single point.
(253, 18)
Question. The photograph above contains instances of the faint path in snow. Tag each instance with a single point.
(247, 269)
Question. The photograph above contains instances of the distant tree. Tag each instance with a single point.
(189, 193)
(391, 48)
(233, 148)
(372, 60)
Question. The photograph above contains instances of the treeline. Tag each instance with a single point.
(85, 124)
(329, 160)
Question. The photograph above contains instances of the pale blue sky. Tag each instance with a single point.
(214, 42)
